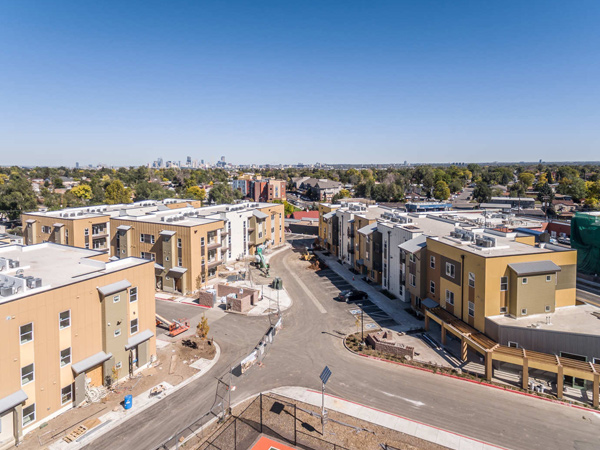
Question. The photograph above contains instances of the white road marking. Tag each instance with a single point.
(306, 290)
(412, 402)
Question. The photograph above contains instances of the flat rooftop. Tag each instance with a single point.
(58, 265)
(581, 319)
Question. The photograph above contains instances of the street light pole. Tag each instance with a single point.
(362, 328)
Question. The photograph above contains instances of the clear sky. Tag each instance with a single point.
(123, 82)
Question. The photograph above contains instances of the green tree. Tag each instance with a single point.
(16, 196)
(117, 193)
(527, 178)
(288, 208)
(482, 192)
(57, 183)
(441, 190)
(222, 193)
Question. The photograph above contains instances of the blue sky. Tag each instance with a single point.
(124, 82)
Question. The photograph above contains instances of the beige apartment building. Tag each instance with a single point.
(70, 320)
(187, 243)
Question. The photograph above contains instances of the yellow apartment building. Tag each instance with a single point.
(70, 320)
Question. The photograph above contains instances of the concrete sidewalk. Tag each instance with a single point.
(388, 420)
(396, 309)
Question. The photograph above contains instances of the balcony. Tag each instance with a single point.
(213, 263)
(213, 245)
(224, 232)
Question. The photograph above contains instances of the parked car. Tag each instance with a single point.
(352, 295)
(553, 240)
(564, 240)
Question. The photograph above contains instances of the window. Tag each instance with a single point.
(503, 310)
(471, 309)
(180, 261)
(412, 279)
(432, 287)
(29, 414)
(504, 283)
(450, 269)
(86, 232)
(27, 374)
(596, 360)
(116, 299)
(411, 257)
(134, 326)
(46, 229)
(149, 256)
(449, 297)
(26, 332)
(471, 279)
(513, 344)
(148, 238)
(548, 308)
(179, 243)
(432, 262)
(133, 295)
(548, 278)
(166, 258)
(524, 280)
(87, 245)
(117, 332)
(66, 394)
(524, 312)
(202, 238)
(64, 319)
(65, 357)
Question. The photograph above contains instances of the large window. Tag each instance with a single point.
(46, 229)
(411, 257)
(65, 357)
(504, 283)
(148, 238)
(134, 326)
(450, 270)
(179, 243)
(26, 332)
(471, 279)
(432, 262)
(133, 295)
(149, 256)
(27, 374)
(66, 394)
(412, 279)
(449, 297)
(28, 414)
(471, 309)
(432, 287)
(64, 319)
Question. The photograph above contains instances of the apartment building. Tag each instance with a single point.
(69, 320)
(189, 245)
(326, 234)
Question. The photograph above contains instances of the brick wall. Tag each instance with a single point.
(380, 343)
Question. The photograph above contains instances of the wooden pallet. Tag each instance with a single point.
(74, 434)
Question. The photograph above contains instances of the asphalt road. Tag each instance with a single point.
(311, 339)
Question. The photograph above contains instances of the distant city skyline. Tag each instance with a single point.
(347, 82)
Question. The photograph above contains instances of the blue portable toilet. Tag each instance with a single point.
(128, 401)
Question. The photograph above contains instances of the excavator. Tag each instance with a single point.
(260, 261)
(175, 326)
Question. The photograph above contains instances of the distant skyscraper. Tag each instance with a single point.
(222, 159)
(202, 161)
(77, 165)
(189, 161)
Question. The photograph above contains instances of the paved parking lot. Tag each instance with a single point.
(173, 310)
(373, 317)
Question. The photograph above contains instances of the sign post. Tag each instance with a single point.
(324, 378)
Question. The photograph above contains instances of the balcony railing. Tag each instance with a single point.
(214, 244)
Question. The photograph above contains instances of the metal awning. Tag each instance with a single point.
(329, 215)
(157, 266)
(168, 233)
(58, 225)
(414, 245)
(259, 214)
(91, 362)
(429, 303)
(9, 402)
(534, 268)
(138, 339)
(123, 228)
(360, 262)
(177, 271)
(30, 221)
(110, 289)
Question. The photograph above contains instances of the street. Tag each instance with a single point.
(312, 338)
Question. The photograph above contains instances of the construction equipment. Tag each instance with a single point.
(175, 327)
(260, 261)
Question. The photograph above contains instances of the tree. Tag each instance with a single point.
(203, 328)
(16, 196)
(441, 190)
(482, 192)
(197, 193)
(82, 192)
(288, 208)
(527, 178)
(223, 193)
(57, 182)
(117, 193)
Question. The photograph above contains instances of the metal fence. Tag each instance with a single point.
(266, 415)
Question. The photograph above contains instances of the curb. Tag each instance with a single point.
(480, 383)
(133, 413)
